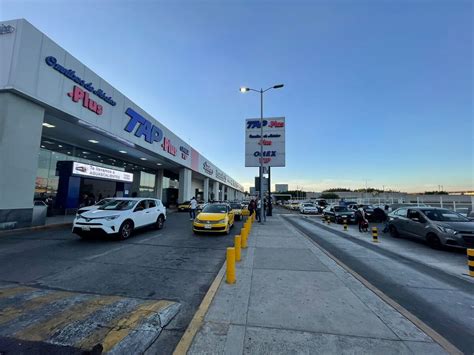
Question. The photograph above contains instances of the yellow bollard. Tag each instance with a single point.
(230, 272)
(243, 235)
(324, 218)
(237, 245)
(329, 220)
(345, 224)
(470, 261)
(375, 235)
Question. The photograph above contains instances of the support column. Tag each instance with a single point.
(185, 185)
(159, 184)
(20, 138)
(215, 190)
(206, 190)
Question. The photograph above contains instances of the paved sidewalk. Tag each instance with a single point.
(290, 297)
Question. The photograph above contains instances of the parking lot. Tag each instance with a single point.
(432, 284)
(57, 290)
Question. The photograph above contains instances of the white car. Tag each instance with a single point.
(308, 208)
(94, 207)
(121, 216)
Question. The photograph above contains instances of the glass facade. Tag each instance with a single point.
(52, 151)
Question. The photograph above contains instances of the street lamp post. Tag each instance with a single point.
(261, 91)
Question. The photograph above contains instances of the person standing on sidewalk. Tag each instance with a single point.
(192, 208)
(265, 209)
(259, 208)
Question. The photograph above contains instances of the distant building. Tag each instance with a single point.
(252, 191)
(281, 187)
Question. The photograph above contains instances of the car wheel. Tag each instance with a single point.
(126, 230)
(434, 241)
(393, 231)
(160, 222)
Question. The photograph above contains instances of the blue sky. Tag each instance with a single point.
(374, 90)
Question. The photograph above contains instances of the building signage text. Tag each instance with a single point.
(101, 172)
(71, 74)
(78, 94)
(207, 168)
(145, 128)
(272, 141)
(168, 147)
(220, 175)
(184, 152)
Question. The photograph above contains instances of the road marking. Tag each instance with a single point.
(196, 323)
(42, 331)
(12, 291)
(127, 324)
(104, 253)
(11, 313)
(442, 341)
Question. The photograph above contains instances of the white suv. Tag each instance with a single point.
(121, 216)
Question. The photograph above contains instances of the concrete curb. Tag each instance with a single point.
(198, 319)
(33, 229)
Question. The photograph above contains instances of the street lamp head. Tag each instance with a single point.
(242, 89)
(278, 86)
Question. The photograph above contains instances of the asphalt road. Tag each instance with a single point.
(57, 290)
(442, 299)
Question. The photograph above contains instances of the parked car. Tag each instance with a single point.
(373, 214)
(184, 207)
(237, 209)
(121, 216)
(339, 213)
(95, 206)
(438, 226)
(308, 208)
(216, 217)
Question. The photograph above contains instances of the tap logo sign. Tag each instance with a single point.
(272, 142)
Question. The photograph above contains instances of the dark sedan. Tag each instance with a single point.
(339, 213)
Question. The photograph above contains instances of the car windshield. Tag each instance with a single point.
(341, 209)
(236, 206)
(308, 205)
(103, 202)
(118, 205)
(444, 216)
(215, 209)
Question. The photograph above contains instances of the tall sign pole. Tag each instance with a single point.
(262, 207)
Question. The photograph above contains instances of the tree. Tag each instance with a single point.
(435, 193)
(329, 195)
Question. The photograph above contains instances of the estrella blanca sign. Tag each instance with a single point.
(71, 74)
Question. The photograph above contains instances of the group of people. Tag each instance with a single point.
(256, 206)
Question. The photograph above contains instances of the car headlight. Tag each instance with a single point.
(197, 220)
(110, 218)
(446, 230)
(222, 221)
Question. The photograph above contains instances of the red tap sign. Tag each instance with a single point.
(273, 142)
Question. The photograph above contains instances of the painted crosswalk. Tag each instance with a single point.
(121, 325)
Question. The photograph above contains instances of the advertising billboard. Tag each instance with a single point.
(273, 142)
(100, 172)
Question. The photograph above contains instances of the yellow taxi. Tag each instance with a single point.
(214, 218)
(245, 210)
(185, 206)
(237, 209)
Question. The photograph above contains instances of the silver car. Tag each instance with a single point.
(438, 226)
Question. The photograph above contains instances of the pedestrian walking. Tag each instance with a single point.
(259, 209)
(192, 208)
(362, 220)
(251, 207)
(265, 209)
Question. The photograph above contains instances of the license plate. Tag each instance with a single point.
(86, 228)
(344, 216)
(207, 226)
